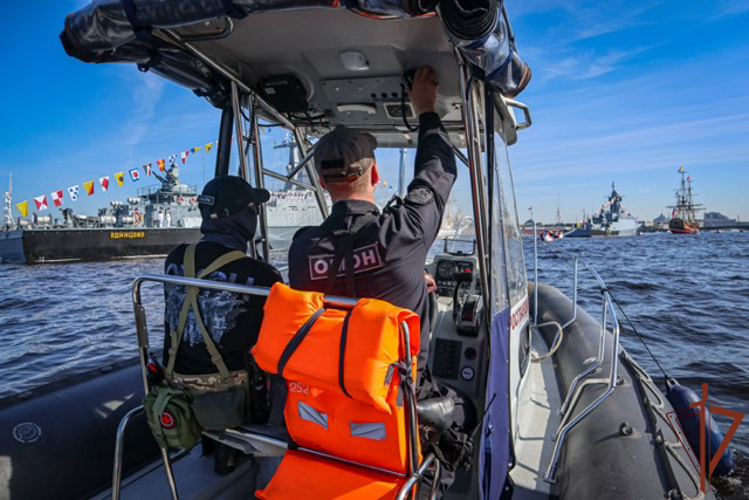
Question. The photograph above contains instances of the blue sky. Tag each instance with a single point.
(622, 91)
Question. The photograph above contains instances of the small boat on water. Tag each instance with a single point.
(684, 213)
(563, 410)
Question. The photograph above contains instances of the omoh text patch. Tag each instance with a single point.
(366, 258)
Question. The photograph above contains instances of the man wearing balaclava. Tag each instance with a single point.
(229, 209)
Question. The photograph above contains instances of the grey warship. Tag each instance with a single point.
(160, 217)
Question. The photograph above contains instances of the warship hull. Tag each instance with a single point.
(34, 246)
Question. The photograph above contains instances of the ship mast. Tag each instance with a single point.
(685, 207)
(8, 207)
(558, 221)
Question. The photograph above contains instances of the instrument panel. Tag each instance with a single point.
(449, 271)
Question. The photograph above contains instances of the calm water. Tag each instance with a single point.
(689, 296)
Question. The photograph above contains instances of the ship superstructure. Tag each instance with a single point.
(612, 219)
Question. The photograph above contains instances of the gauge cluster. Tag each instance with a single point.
(448, 272)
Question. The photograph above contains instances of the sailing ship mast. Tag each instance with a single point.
(685, 208)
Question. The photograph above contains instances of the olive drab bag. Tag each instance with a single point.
(177, 410)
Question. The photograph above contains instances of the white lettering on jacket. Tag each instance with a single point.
(366, 258)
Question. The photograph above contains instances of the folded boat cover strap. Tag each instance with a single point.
(363, 354)
(301, 475)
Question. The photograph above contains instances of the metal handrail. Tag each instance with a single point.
(608, 314)
(415, 470)
(118, 451)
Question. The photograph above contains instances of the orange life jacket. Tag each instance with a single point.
(358, 414)
(348, 352)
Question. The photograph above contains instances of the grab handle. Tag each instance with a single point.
(527, 122)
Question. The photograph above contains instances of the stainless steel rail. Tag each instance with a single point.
(608, 316)
(118, 450)
(415, 469)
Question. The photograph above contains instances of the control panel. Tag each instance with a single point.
(449, 272)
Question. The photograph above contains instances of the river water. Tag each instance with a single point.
(687, 296)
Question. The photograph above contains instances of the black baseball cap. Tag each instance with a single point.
(340, 154)
(227, 195)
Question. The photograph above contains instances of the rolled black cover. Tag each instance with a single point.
(120, 31)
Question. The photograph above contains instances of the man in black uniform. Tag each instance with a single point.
(382, 255)
(389, 249)
(229, 207)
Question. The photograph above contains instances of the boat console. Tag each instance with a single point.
(458, 338)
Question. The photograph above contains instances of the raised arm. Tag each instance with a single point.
(435, 170)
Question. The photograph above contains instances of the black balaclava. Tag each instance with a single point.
(235, 231)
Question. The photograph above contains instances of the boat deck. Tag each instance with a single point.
(538, 419)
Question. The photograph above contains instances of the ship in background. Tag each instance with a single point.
(612, 219)
(684, 213)
(150, 224)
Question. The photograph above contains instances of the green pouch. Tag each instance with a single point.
(219, 410)
(171, 417)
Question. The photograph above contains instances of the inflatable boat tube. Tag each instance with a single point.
(57, 441)
(625, 448)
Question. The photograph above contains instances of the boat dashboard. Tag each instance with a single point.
(458, 342)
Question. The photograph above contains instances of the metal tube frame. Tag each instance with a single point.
(415, 470)
(474, 166)
(576, 388)
(259, 170)
(227, 73)
(610, 383)
(281, 177)
(302, 163)
(311, 172)
(269, 110)
(237, 106)
(460, 155)
(118, 450)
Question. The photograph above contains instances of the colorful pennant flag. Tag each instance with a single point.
(172, 159)
(681, 169)
(23, 207)
(147, 169)
(41, 202)
(134, 174)
(195, 149)
(120, 178)
(104, 181)
(89, 187)
(184, 155)
(73, 192)
(57, 197)
(160, 164)
(208, 147)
